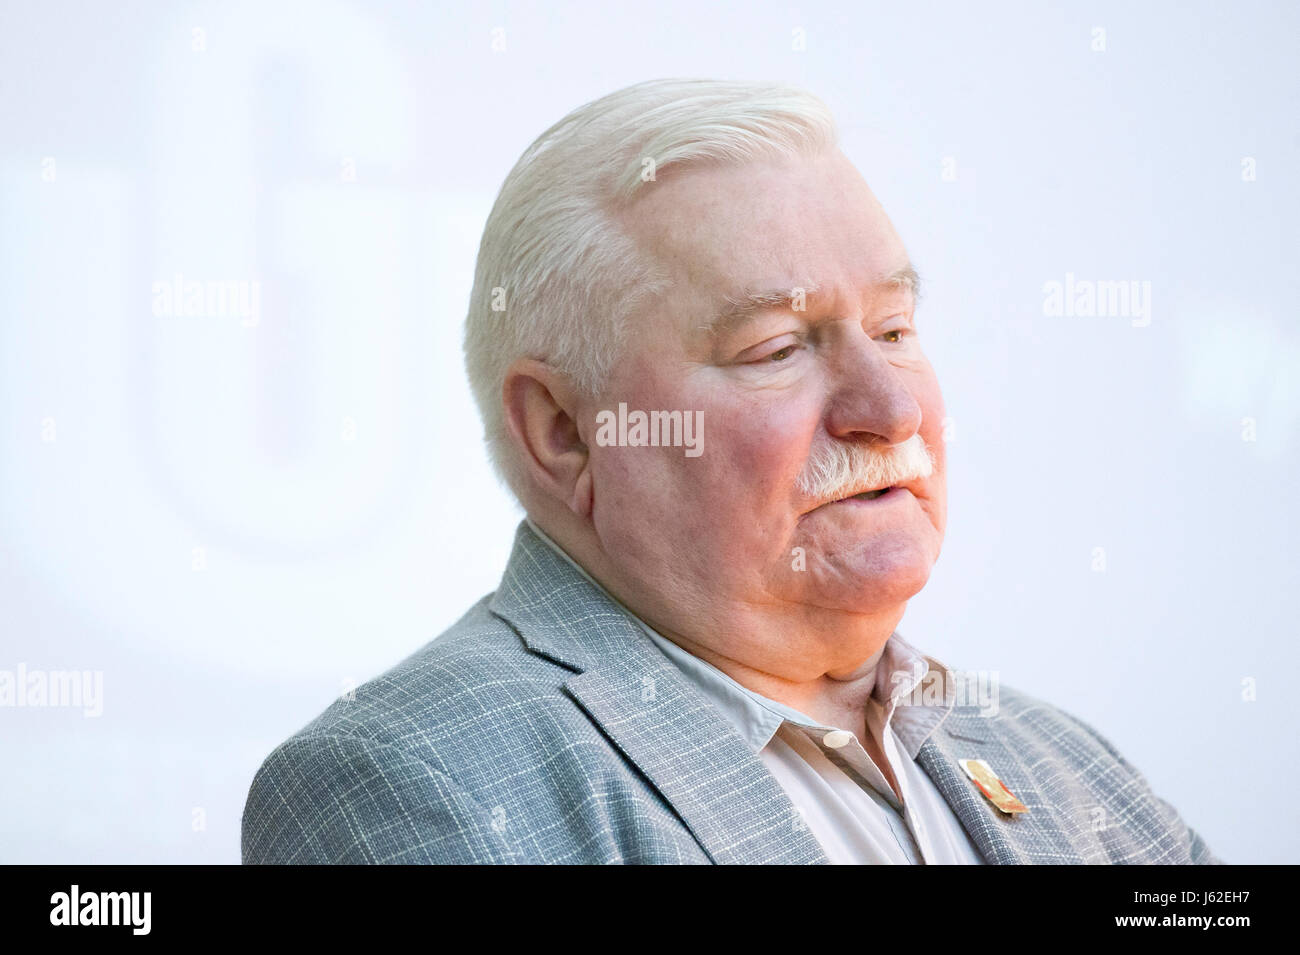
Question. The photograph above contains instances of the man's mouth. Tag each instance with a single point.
(893, 492)
(869, 495)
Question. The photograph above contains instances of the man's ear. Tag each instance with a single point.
(541, 416)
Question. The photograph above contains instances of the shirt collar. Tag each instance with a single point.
(901, 671)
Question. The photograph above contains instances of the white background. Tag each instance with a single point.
(327, 560)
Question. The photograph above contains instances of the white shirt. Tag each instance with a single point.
(844, 799)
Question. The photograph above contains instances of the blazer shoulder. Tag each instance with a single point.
(1033, 718)
(374, 778)
(479, 663)
(1034, 726)
(422, 727)
(1076, 751)
(332, 799)
(1034, 715)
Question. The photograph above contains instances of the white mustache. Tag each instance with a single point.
(838, 469)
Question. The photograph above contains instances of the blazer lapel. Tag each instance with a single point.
(719, 787)
(694, 758)
(1030, 837)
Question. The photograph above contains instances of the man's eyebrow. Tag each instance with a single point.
(735, 309)
(905, 278)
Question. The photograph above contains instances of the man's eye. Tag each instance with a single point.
(783, 354)
(900, 332)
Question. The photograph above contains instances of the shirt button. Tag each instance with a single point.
(837, 738)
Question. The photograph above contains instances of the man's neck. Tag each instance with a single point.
(826, 672)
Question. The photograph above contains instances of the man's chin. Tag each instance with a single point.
(873, 589)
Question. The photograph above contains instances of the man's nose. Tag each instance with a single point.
(869, 398)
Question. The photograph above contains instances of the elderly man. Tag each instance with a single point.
(692, 338)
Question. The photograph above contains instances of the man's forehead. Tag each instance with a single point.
(728, 214)
(738, 274)
(734, 241)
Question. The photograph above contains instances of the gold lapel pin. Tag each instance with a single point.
(982, 775)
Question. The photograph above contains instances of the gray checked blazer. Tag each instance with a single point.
(545, 727)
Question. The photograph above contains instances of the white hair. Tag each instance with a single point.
(838, 469)
(557, 278)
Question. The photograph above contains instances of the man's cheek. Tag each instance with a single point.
(745, 476)
(759, 444)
